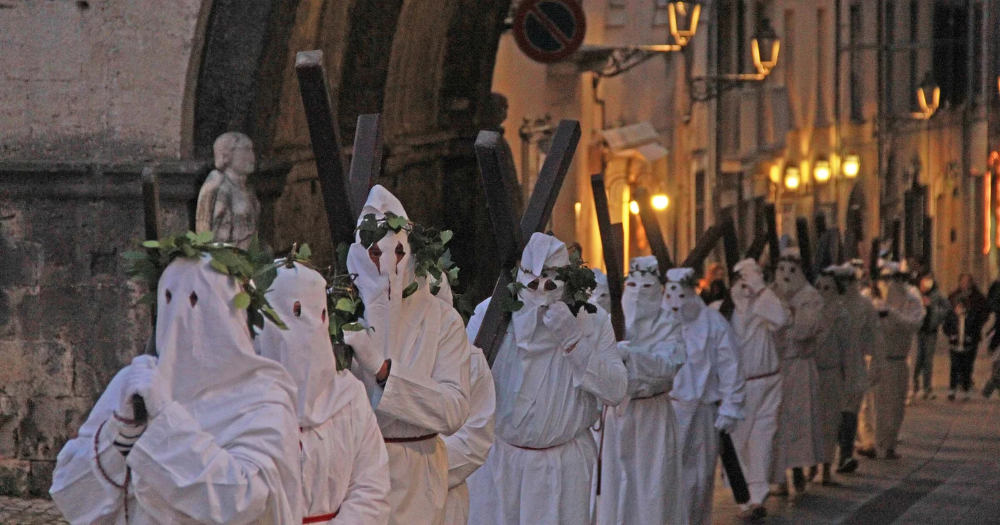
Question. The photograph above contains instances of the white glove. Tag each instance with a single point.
(368, 348)
(560, 320)
(725, 423)
(145, 380)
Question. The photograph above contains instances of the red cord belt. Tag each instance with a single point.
(410, 439)
(321, 517)
(762, 376)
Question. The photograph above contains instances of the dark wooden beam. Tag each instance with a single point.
(612, 254)
(366, 161)
(654, 236)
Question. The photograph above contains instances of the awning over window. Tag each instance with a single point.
(636, 140)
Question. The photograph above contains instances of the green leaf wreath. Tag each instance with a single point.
(432, 258)
(578, 281)
(254, 269)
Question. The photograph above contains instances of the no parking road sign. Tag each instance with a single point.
(549, 30)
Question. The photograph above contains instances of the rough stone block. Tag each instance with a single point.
(14, 474)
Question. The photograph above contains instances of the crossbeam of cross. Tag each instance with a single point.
(613, 250)
(510, 235)
(344, 189)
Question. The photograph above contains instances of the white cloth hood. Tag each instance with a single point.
(789, 277)
(601, 294)
(298, 294)
(643, 294)
(680, 297)
(380, 201)
(543, 251)
(395, 262)
(202, 339)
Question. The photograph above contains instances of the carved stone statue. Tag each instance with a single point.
(226, 206)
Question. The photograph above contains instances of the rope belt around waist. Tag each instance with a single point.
(320, 518)
(895, 358)
(410, 439)
(649, 397)
(762, 376)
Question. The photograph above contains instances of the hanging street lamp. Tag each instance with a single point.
(683, 20)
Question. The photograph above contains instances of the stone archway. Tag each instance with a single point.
(426, 65)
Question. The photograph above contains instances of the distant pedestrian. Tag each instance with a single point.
(963, 339)
(936, 309)
(993, 383)
(977, 313)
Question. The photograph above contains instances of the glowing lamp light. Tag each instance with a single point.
(775, 174)
(683, 20)
(821, 172)
(852, 166)
(792, 179)
(928, 97)
(633, 207)
(765, 47)
(660, 202)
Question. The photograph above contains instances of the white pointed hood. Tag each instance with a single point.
(298, 294)
(541, 289)
(642, 296)
(601, 295)
(395, 258)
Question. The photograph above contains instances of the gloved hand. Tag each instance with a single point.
(145, 380)
(369, 348)
(371, 284)
(561, 321)
(725, 423)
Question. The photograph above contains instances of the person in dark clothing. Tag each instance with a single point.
(963, 338)
(936, 308)
(713, 285)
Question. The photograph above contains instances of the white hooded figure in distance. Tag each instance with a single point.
(468, 448)
(708, 393)
(757, 315)
(860, 330)
(641, 474)
(345, 470)
(900, 313)
(601, 296)
(221, 443)
(551, 372)
(831, 364)
(414, 362)
(799, 441)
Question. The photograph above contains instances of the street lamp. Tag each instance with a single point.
(765, 47)
(633, 207)
(821, 171)
(683, 20)
(928, 97)
(852, 166)
(792, 178)
(660, 201)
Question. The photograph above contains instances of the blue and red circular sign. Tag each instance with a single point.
(549, 30)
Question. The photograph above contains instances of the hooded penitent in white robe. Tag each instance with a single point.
(468, 448)
(904, 313)
(551, 372)
(427, 390)
(831, 363)
(641, 472)
(799, 440)
(711, 376)
(860, 331)
(601, 296)
(345, 470)
(757, 315)
(221, 444)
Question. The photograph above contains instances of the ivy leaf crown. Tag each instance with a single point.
(432, 259)
(578, 281)
(254, 270)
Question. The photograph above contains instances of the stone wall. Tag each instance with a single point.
(68, 317)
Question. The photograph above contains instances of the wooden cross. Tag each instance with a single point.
(343, 197)
(510, 236)
(613, 248)
(654, 236)
(805, 248)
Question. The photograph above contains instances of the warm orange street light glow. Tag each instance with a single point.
(792, 179)
(689, 12)
(852, 166)
(660, 202)
(633, 207)
(821, 172)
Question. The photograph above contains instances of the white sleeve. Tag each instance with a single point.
(651, 369)
(468, 448)
(79, 489)
(772, 309)
(439, 403)
(177, 468)
(732, 383)
(597, 367)
(367, 498)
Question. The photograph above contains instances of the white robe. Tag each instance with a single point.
(831, 353)
(224, 447)
(541, 465)
(468, 448)
(899, 327)
(860, 332)
(753, 438)
(641, 476)
(799, 440)
(711, 374)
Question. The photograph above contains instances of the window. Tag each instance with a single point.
(950, 68)
(661, 13)
(855, 84)
(617, 14)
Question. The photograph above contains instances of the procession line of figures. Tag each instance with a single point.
(230, 426)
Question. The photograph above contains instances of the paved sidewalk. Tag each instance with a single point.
(949, 472)
(14, 511)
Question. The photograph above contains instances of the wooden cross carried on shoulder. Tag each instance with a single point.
(344, 189)
(499, 182)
